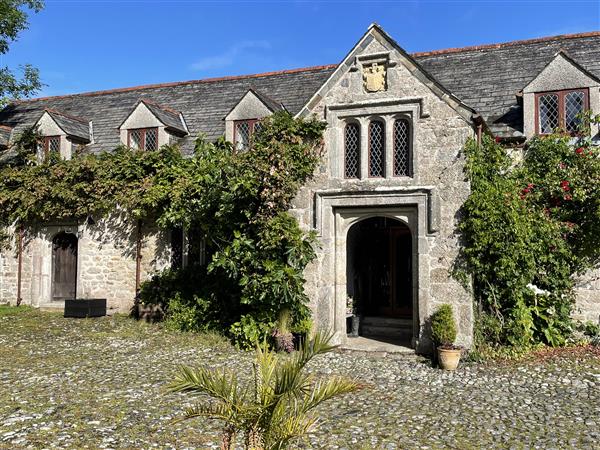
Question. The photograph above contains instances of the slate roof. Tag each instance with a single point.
(203, 103)
(270, 103)
(487, 78)
(4, 135)
(72, 126)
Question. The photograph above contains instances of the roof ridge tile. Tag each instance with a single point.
(505, 44)
(181, 83)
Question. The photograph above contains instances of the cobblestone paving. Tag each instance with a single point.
(99, 383)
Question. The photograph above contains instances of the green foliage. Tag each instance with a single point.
(184, 315)
(272, 411)
(237, 201)
(250, 329)
(443, 326)
(13, 20)
(528, 229)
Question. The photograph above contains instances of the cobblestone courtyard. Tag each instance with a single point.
(99, 383)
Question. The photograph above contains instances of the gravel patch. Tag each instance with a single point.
(100, 384)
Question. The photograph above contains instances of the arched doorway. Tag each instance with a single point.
(379, 277)
(64, 266)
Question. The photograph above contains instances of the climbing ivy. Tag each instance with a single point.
(529, 228)
(237, 201)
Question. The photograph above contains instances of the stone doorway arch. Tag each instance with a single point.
(379, 267)
(405, 219)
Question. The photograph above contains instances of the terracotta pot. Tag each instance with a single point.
(448, 358)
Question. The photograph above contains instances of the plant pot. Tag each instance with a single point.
(448, 358)
(355, 326)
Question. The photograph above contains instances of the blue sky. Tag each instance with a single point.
(90, 45)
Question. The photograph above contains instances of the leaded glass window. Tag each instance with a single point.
(574, 105)
(352, 151)
(401, 148)
(560, 110)
(376, 148)
(548, 112)
(143, 139)
(243, 132)
(52, 144)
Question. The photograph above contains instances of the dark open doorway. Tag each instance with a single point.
(379, 276)
(64, 266)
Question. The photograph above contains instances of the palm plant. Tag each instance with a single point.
(276, 407)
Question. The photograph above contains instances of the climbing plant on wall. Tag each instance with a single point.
(238, 201)
(529, 229)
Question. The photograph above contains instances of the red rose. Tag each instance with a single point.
(579, 151)
(497, 139)
(565, 185)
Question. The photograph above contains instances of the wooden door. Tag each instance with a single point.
(64, 266)
(400, 274)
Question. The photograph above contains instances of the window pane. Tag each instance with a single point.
(242, 135)
(574, 104)
(135, 139)
(257, 127)
(401, 148)
(151, 139)
(376, 148)
(352, 150)
(548, 112)
(54, 144)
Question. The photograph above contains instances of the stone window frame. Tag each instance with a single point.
(347, 123)
(337, 115)
(561, 105)
(386, 143)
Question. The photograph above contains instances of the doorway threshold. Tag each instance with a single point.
(377, 344)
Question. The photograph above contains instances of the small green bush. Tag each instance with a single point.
(249, 331)
(443, 326)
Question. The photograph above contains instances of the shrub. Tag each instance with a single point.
(274, 408)
(443, 326)
(528, 229)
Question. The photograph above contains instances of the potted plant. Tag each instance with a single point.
(284, 339)
(352, 312)
(443, 333)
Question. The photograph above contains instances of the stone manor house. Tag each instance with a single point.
(385, 200)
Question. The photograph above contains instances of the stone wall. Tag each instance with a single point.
(428, 201)
(587, 307)
(106, 263)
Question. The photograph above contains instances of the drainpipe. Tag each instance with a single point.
(479, 131)
(138, 263)
(19, 262)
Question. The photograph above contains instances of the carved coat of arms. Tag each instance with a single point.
(374, 78)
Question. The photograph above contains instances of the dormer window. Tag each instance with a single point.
(149, 126)
(243, 131)
(62, 134)
(143, 139)
(560, 109)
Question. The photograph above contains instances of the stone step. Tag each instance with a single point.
(401, 332)
(392, 322)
